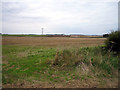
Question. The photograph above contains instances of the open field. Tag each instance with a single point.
(56, 62)
(53, 41)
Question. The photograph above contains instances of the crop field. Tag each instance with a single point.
(57, 62)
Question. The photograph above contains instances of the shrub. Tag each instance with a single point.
(113, 41)
(105, 35)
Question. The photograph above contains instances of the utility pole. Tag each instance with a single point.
(119, 15)
(42, 33)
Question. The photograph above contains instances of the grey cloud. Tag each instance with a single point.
(69, 16)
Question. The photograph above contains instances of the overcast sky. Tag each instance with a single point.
(88, 17)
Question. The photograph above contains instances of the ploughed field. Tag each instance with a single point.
(57, 62)
(52, 41)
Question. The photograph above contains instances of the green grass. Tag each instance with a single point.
(37, 63)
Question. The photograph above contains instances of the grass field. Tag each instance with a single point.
(54, 62)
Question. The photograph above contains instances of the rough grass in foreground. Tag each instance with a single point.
(50, 65)
(88, 58)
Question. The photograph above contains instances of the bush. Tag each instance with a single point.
(113, 41)
(105, 35)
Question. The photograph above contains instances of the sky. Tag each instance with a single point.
(88, 17)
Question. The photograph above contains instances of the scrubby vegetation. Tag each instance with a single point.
(53, 65)
(90, 57)
(113, 41)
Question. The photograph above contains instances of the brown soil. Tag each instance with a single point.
(52, 41)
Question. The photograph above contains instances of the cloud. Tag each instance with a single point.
(63, 0)
(65, 16)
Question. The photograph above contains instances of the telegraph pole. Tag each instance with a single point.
(119, 15)
(42, 33)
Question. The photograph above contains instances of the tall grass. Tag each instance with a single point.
(92, 58)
